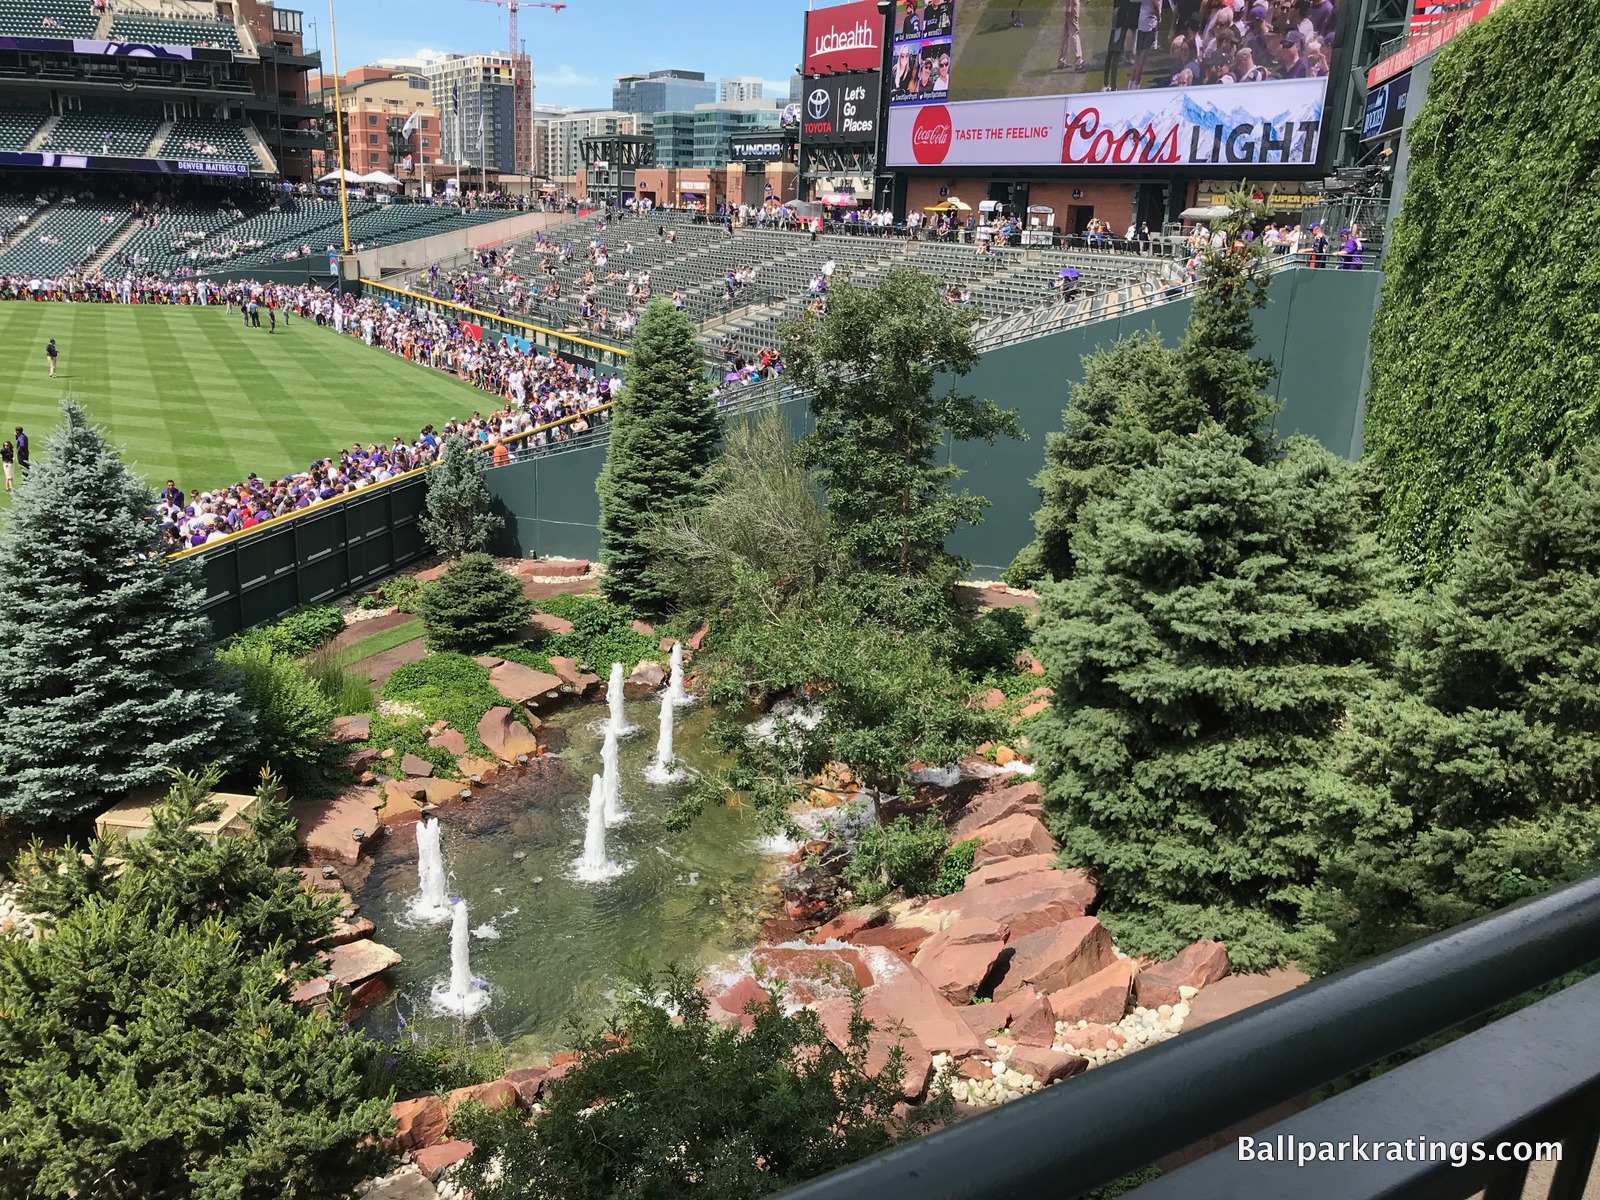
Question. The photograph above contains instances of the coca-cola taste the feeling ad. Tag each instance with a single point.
(1271, 124)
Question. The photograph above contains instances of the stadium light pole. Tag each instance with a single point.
(338, 129)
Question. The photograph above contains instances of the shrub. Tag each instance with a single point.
(955, 867)
(902, 855)
(348, 691)
(299, 633)
(291, 712)
(602, 633)
(446, 687)
(458, 520)
(409, 735)
(472, 606)
(403, 593)
(416, 1063)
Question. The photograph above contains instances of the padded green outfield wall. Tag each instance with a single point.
(1315, 327)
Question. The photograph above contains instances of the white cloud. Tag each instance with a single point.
(426, 55)
(562, 76)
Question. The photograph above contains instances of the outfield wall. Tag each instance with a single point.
(1315, 327)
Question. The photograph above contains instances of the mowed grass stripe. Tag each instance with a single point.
(193, 395)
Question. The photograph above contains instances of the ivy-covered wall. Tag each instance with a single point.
(1484, 351)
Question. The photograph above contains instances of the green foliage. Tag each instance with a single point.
(298, 633)
(403, 592)
(900, 856)
(458, 519)
(1221, 617)
(291, 712)
(674, 1108)
(415, 1062)
(144, 1057)
(762, 519)
(955, 867)
(602, 633)
(1470, 783)
(409, 735)
(443, 687)
(472, 606)
(1138, 395)
(348, 692)
(870, 365)
(664, 434)
(108, 675)
(1483, 356)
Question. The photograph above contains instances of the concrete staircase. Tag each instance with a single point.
(163, 132)
(108, 252)
(36, 142)
(264, 160)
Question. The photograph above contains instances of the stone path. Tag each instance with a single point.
(360, 630)
(380, 666)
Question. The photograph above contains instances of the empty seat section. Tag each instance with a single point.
(47, 18)
(219, 140)
(18, 125)
(158, 31)
(103, 133)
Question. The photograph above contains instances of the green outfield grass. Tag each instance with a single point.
(190, 394)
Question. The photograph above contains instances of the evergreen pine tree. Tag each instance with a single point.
(473, 606)
(871, 364)
(1221, 615)
(458, 520)
(108, 678)
(664, 435)
(1471, 782)
(1138, 393)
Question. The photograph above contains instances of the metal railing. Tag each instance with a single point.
(1540, 1065)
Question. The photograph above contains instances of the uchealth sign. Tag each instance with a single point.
(847, 37)
(1273, 123)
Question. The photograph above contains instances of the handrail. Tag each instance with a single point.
(603, 347)
(1081, 1135)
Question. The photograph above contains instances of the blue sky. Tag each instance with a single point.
(576, 52)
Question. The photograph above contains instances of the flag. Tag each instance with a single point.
(455, 96)
(413, 123)
(480, 133)
(405, 163)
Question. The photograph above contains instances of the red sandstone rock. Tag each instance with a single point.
(354, 962)
(645, 679)
(522, 685)
(1193, 966)
(989, 807)
(488, 661)
(549, 623)
(1009, 868)
(418, 1123)
(528, 1082)
(505, 736)
(1035, 1025)
(984, 1019)
(496, 1095)
(1015, 836)
(732, 1005)
(350, 729)
(1057, 957)
(808, 973)
(958, 958)
(1029, 662)
(1047, 1066)
(1025, 904)
(643, 627)
(1030, 710)
(697, 639)
(904, 993)
(992, 699)
(553, 568)
(311, 991)
(1093, 1037)
(417, 768)
(567, 672)
(916, 1063)
(903, 940)
(846, 925)
(432, 1161)
(450, 740)
(327, 828)
(361, 760)
(1102, 997)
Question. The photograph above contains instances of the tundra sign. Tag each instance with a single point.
(841, 110)
(1274, 123)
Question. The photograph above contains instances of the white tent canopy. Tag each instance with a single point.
(379, 177)
(334, 176)
(1206, 212)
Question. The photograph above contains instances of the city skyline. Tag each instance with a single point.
(636, 37)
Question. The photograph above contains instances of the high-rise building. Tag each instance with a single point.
(797, 88)
(377, 104)
(739, 87)
(662, 91)
(699, 139)
(564, 135)
(476, 98)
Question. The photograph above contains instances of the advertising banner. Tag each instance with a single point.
(759, 147)
(1275, 123)
(116, 49)
(1386, 107)
(847, 37)
(841, 110)
(102, 162)
(1425, 41)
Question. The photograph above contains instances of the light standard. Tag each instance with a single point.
(338, 129)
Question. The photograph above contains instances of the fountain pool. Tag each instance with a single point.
(549, 946)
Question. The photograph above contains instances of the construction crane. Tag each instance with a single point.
(522, 86)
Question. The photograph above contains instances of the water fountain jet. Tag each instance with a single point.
(462, 996)
(675, 688)
(618, 720)
(664, 769)
(611, 779)
(431, 902)
(593, 865)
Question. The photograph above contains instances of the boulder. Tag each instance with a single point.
(1009, 868)
(644, 680)
(1024, 905)
(529, 1082)
(1035, 1025)
(887, 1033)
(992, 699)
(1103, 997)
(361, 760)
(440, 791)
(903, 993)
(1015, 836)
(311, 991)
(450, 740)
(1047, 1066)
(984, 1019)
(350, 729)
(1193, 966)
(666, 644)
(401, 796)
(522, 685)
(549, 623)
(495, 1095)
(808, 973)
(420, 1122)
(1032, 709)
(488, 661)
(846, 925)
(433, 1161)
(1093, 1037)
(1057, 957)
(902, 940)
(505, 736)
(417, 768)
(644, 627)
(989, 807)
(958, 958)
(365, 996)
(567, 672)
(328, 828)
(475, 764)
(349, 929)
(354, 962)
(555, 568)
(697, 639)
(729, 1006)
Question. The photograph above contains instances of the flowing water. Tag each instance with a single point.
(550, 947)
